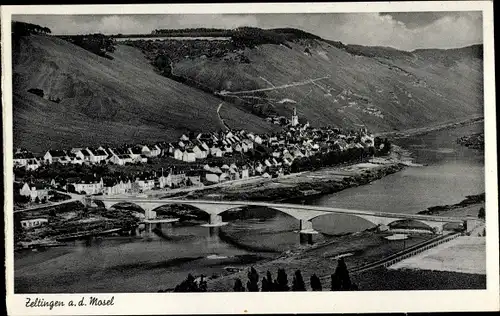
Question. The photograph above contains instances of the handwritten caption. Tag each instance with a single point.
(84, 301)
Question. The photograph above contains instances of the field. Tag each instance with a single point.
(464, 255)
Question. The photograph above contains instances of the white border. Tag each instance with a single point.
(292, 302)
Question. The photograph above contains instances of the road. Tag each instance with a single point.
(220, 117)
(289, 85)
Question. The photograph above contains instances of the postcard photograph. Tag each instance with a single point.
(160, 153)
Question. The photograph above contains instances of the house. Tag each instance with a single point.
(189, 156)
(52, 156)
(178, 154)
(237, 147)
(87, 156)
(33, 222)
(145, 183)
(199, 152)
(258, 140)
(21, 159)
(120, 159)
(145, 150)
(115, 186)
(228, 149)
(32, 164)
(99, 155)
(76, 159)
(35, 190)
(245, 174)
(86, 186)
(135, 153)
(215, 151)
(154, 151)
(184, 138)
(175, 179)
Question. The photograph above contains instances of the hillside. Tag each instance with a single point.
(156, 90)
(382, 88)
(91, 100)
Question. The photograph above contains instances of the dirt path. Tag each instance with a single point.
(289, 85)
(220, 117)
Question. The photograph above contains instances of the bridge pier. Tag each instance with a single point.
(307, 232)
(215, 221)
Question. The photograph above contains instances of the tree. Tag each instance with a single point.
(267, 283)
(340, 279)
(316, 283)
(37, 200)
(281, 283)
(298, 282)
(253, 281)
(238, 286)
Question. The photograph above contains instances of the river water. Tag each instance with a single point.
(133, 264)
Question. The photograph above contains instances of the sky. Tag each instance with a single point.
(404, 30)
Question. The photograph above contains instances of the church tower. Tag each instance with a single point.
(295, 118)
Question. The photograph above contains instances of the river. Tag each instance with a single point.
(133, 264)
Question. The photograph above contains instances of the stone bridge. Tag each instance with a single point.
(304, 213)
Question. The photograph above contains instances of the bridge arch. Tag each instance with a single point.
(411, 224)
(183, 211)
(335, 224)
(124, 205)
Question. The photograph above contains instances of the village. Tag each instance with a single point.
(194, 160)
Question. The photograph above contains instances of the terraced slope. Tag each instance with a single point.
(383, 89)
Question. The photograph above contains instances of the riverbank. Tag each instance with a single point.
(468, 207)
(302, 185)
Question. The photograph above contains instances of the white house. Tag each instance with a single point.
(216, 151)
(244, 174)
(120, 159)
(98, 155)
(35, 190)
(112, 187)
(189, 156)
(32, 164)
(145, 183)
(88, 187)
(52, 156)
(178, 154)
(154, 151)
(199, 153)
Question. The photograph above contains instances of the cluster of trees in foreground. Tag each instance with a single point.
(340, 281)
